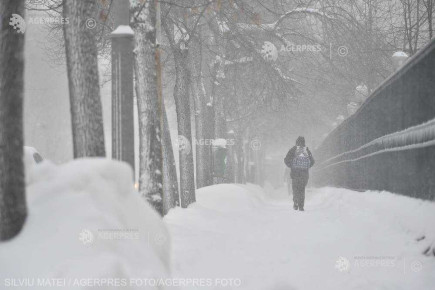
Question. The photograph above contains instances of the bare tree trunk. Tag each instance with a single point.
(181, 96)
(231, 163)
(149, 105)
(219, 109)
(240, 176)
(171, 197)
(13, 210)
(203, 136)
(220, 128)
(182, 103)
(84, 86)
(218, 95)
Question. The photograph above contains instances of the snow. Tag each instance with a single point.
(223, 26)
(87, 225)
(361, 93)
(86, 221)
(352, 107)
(400, 54)
(180, 34)
(123, 30)
(254, 237)
(241, 60)
(274, 25)
(29, 162)
(222, 143)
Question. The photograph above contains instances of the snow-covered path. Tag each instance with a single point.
(256, 238)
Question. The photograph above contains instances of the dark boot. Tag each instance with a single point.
(295, 207)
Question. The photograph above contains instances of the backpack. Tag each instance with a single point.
(302, 159)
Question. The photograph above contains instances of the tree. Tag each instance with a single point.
(13, 210)
(84, 88)
(203, 130)
(150, 103)
(171, 197)
(180, 54)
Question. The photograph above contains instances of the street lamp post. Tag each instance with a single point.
(122, 84)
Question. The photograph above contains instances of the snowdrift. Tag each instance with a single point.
(85, 221)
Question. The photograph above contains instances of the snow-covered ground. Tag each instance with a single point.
(86, 228)
(242, 236)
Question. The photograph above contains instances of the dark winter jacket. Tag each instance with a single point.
(296, 172)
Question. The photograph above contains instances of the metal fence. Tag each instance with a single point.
(389, 143)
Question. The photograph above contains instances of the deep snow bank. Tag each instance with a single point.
(85, 221)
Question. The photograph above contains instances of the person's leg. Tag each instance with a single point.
(295, 194)
(300, 200)
(303, 184)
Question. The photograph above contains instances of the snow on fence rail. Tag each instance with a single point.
(412, 138)
(389, 144)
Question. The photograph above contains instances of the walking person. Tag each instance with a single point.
(299, 159)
